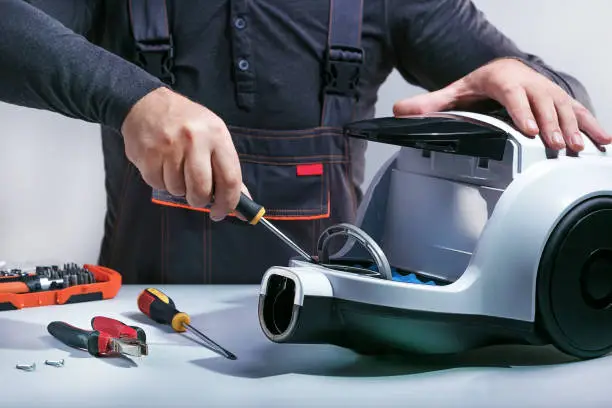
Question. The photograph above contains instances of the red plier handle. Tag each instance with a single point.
(118, 329)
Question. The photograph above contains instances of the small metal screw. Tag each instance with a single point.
(55, 363)
(26, 367)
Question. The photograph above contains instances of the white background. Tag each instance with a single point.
(52, 199)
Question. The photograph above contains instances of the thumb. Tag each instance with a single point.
(443, 99)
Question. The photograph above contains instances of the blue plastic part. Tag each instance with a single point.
(410, 278)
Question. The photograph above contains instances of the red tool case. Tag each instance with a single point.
(106, 286)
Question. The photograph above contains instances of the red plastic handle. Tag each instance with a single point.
(113, 327)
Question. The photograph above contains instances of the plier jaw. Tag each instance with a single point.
(129, 346)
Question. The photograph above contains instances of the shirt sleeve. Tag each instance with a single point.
(436, 42)
(45, 65)
(77, 15)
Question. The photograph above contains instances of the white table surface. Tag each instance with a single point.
(179, 372)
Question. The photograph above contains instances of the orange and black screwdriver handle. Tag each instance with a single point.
(161, 309)
(250, 210)
(95, 342)
(118, 329)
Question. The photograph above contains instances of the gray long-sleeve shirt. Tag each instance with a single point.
(44, 64)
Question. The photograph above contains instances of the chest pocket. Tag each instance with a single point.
(292, 173)
(301, 174)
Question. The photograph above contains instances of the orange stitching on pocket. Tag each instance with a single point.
(304, 218)
(271, 217)
(297, 218)
(206, 210)
(177, 205)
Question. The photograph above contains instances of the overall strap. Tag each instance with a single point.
(152, 37)
(343, 60)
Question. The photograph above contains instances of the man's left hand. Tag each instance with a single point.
(536, 104)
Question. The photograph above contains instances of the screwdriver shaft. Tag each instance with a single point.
(286, 239)
(218, 348)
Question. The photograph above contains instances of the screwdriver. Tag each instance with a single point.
(254, 213)
(161, 308)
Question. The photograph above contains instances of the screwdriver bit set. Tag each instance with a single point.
(54, 285)
(49, 277)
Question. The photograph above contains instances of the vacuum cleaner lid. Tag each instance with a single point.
(439, 132)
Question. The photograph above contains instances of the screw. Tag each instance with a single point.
(26, 367)
(55, 363)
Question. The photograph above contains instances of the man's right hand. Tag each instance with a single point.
(185, 149)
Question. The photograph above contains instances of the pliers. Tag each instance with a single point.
(108, 337)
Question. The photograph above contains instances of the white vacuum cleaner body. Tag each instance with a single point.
(472, 234)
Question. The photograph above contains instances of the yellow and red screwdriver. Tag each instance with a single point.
(161, 308)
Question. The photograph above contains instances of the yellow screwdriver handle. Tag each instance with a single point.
(159, 307)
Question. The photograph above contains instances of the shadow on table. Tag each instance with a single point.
(144, 321)
(237, 329)
(18, 335)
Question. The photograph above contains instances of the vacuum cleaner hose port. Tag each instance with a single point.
(291, 313)
(278, 307)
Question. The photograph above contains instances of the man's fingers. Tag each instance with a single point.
(569, 124)
(154, 179)
(589, 125)
(174, 177)
(151, 172)
(198, 178)
(516, 102)
(227, 181)
(546, 115)
(436, 101)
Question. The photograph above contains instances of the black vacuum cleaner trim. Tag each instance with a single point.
(435, 132)
(577, 318)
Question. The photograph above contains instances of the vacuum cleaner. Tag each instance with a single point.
(471, 235)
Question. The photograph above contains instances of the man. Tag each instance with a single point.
(256, 67)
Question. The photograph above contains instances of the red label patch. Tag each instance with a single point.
(315, 169)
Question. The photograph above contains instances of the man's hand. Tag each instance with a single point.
(185, 149)
(535, 104)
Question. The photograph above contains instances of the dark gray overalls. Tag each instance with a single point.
(304, 177)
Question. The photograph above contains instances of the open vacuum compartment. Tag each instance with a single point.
(428, 266)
